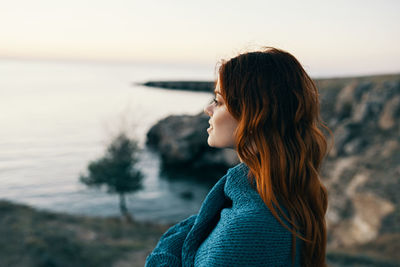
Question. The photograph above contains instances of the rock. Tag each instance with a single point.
(187, 195)
(346, 99)
(348, 139)
(364, 225)
(179, 139)
(391, 112)
(182, 85)
(182, 143)
(369, 108)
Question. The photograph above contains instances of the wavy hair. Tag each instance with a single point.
(279, 137)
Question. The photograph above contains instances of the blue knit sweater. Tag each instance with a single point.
(233, 228)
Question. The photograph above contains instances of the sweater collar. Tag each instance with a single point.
(241, 189)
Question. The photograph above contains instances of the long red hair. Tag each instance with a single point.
(279, 138)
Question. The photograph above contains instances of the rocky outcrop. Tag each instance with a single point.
(181, 141)
(182, 85)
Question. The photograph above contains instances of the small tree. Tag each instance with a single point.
(116, 170)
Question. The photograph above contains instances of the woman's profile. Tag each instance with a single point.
(269, 210)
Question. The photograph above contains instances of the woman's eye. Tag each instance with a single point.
(215, 101)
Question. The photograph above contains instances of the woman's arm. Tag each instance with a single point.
(169, 248)
(247, 240)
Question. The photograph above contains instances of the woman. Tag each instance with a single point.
(269, 210)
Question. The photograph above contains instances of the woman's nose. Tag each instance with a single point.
(207, 110)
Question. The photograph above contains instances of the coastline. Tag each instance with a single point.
(41, 238)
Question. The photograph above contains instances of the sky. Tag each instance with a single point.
(330, 38)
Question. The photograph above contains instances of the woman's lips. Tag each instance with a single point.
(209, 128)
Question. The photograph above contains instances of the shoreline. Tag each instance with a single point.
(42, 238)
(60, 239)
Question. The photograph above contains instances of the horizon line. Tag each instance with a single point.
(355, 74)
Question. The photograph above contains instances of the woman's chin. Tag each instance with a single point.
(210, 142)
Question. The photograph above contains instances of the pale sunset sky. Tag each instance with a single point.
(330, 38)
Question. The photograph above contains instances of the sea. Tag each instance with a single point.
(57, 116)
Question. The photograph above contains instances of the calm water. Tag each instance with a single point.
(56, 117)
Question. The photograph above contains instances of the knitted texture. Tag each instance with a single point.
(233, 228)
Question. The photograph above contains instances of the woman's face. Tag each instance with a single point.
(222, 124)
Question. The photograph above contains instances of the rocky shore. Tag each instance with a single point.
(32, 238)
(361, 172)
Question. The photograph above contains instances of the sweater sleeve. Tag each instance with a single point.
(169, 248)
(247, 241)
